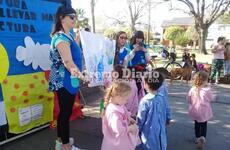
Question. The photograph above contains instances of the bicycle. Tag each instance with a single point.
(168, 65)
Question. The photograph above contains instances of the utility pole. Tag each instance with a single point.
(93, 15)
(149, 20)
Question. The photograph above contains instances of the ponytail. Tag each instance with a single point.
(57, 27)
(108, 96)
(199, 78)
(116, 89)
(104, 103)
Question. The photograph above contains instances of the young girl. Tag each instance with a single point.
(194, 65)
(135, 96)
(151, 115)
(193, 62)
(200, 110)
(186, 58)
(138, 54)
(121, 52)
(119, 129)
(227, 60)
(138, 57)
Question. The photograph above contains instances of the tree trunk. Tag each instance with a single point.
(202, 40)
(93, 15)
(133, 29)
(194, 44)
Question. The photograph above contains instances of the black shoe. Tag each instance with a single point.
(211, 81)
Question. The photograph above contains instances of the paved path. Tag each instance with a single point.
(87, 132)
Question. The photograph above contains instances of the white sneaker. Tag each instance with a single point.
(202, 139)
(58, 144)
(71, 141)
(201, 142)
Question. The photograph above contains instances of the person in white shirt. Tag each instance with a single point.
(218, 59)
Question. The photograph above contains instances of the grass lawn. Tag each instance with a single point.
(200, 58)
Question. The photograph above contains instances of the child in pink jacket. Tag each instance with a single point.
(124, 74)
(200, 97)
(119, 129)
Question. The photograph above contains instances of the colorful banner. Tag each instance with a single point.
(25, 27)
(99, 54)
(28, 103)
(4, 67)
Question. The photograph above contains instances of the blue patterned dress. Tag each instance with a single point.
(59, 75)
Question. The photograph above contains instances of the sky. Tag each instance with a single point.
(114, 7)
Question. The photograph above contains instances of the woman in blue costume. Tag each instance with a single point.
(138, 57)
(66, 59)
(151, 117)
(120, 52)
(138, 54)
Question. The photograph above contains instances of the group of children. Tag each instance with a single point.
(135, 110)
(129, 121)
(221, 59)
(189, 60)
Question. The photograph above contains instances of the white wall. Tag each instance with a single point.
(215, 31)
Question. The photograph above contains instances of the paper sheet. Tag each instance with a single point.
(2, 114)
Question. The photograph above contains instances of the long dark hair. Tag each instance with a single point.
(117, 48)
(62, 11)
(57, 24)
(138, 34)
(117, 37)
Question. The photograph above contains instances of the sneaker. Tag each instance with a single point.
(217, 82)
(71, 141)
(211, 81)
(201, 141)
(58, 145)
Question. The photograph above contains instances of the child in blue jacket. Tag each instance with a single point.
(151, 117)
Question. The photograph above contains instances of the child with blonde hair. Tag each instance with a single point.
(199, 98)
(135, 97)
(119, 129)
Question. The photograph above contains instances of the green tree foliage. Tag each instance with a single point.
(177, 34)
(205, 13)
(192, 34)
(182, 39)
(110, 33)
(128, 31)
(225, 19)
(82, 21)
(172, 32)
